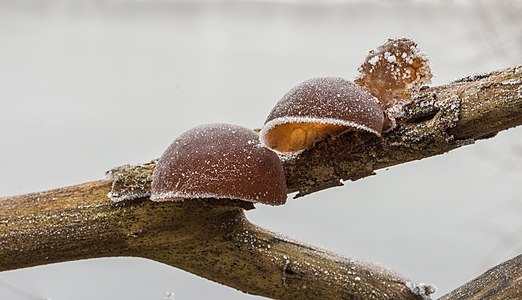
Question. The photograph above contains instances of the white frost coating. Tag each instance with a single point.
(422, 289)
(324, 97)
(354, 262)
(397, 110)
(393, 62)
(373, 61)
(219, 161)
(390, 57)
(322, 100)
(512, 81)
(180, 197)
(285, 120)
(128, 196)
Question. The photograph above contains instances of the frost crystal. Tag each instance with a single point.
(422, 289)
(373, 60)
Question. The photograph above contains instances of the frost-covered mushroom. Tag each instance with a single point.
(320, 107)
(394, 71)
(220, 161)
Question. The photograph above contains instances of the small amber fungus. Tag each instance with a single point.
(320, 107)
(219, 161)
(394, 71)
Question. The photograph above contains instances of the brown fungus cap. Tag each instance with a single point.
(320, 107)
(219, 161)
(394, 71)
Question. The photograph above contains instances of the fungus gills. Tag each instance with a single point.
(219, 161)
(317, 108)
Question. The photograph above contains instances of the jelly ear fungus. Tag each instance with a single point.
(317, 108)
(219, 161)
(393, 73)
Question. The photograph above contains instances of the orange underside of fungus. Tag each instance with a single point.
(293, 137)
(318, 108)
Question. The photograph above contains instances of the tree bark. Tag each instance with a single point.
(501, 282)
(437, 120)
(216, 241)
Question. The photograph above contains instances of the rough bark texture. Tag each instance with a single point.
(438, 120)
(218, 243)
(501, 282)
(213, 241)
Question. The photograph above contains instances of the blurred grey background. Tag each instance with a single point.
(88, 85)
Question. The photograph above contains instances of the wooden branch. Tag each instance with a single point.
(216, 241)
(213, 241)
(438, 120)
(501, 282)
